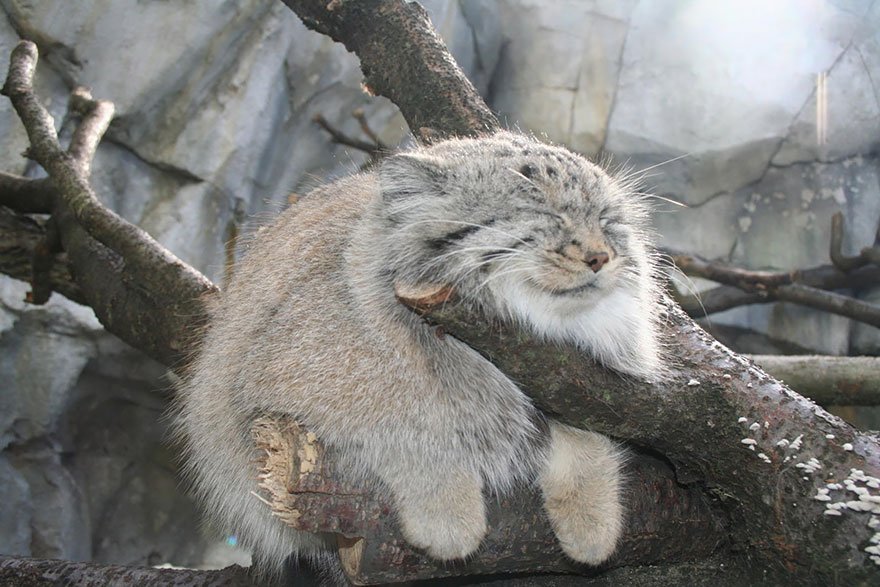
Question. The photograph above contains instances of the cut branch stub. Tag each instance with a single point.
(422, 298)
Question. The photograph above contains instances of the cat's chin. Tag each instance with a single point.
(612, 323)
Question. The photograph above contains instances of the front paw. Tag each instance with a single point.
(588, 533)
(581, 486)
(449, 525)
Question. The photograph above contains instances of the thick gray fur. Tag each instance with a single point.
(309, 326)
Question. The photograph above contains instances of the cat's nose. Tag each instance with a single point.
(595, 261)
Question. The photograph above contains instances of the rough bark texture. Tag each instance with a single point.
(139, 290)
(32, 572)
(666, 522)
(20, 237)
(698, 418)
(403, 59)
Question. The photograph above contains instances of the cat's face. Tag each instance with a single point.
(483, 214)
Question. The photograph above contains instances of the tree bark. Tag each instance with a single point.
(827, 380)
(32, 572)
(300, 483)
(763, 450)
(403, 59)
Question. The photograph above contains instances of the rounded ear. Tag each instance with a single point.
(411, 174)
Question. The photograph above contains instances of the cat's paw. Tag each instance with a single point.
(581, 487)
(450, 524)
(587, 532)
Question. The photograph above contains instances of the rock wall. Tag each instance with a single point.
(215, 100)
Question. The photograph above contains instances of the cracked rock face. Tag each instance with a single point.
(774, 109)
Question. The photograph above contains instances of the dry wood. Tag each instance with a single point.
(302, 485)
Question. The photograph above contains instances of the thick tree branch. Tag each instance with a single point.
(843, 381)
(714, 416)
(30, 196)
(666, 522)
(32, 572)
(433, 94)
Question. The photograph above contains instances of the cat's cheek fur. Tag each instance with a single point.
(617, 328)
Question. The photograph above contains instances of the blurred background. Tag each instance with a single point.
(762, 118)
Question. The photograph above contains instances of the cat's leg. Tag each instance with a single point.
(440, 509)
(581, 483)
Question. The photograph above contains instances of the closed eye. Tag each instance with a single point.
(540, 211)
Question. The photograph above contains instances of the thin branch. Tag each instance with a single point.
(839, 260)
(123, 273)
(718, 299)
(804, 287)
(365, 127)
(96, 116)
(69, 172)
(341, 138)
(829, 301)
(744, 279)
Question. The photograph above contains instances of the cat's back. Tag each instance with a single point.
(290, 286)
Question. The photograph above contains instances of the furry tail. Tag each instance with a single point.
(219, 463)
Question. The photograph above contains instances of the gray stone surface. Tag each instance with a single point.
(215, 101)
(16, 510)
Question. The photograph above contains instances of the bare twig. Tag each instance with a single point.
(826, 277)
(829, 301)
(95, 118)
(365, 127)
(105, 250)
(744, 279)
(807, 287)
(69, 168)
(341, 138)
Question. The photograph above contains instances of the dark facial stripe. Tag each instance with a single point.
(457, 235)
